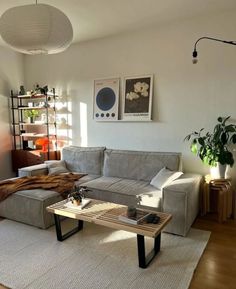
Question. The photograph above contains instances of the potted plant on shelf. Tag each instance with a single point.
(31, 114)
(213, 148)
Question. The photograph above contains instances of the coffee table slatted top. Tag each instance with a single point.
(107, 214)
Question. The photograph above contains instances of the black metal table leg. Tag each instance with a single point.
(144, 260)
(61, 237)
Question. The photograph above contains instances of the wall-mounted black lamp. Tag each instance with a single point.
(210, 38)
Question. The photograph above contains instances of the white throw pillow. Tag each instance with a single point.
(57, 167)
(164, 177)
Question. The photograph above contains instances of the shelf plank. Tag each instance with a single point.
(33, 107)
(36, 124)
(34, 96)
(38, 135)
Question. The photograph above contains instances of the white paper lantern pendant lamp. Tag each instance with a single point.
(36, 29)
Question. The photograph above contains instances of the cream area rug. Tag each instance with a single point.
(96, 257)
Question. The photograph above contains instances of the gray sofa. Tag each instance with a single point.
(118, 176)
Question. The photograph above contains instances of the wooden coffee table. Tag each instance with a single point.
(106, 214)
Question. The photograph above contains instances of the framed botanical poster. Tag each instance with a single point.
(106, 99)
(137, 98)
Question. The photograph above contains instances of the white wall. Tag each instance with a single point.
(187, 97)
(11, 77)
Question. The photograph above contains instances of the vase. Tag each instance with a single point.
(30, 119)
(219, 171)
(131, 212)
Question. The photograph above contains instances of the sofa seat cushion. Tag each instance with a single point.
(125, 191)
(37, 194)
(29, 206)
(36, 170)
(86, 179)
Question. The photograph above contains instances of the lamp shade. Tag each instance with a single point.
(42, 142)
(36, 29)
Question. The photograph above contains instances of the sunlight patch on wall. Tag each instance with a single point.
(83, 124)
(64, 122)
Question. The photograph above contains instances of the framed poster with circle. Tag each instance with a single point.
(106, 99)
(137, 98)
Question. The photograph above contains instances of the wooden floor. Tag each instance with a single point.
(216, 269)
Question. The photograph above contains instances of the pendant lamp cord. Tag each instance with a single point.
(36, 2)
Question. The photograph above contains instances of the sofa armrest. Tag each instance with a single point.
(181, 199)
(35, 170)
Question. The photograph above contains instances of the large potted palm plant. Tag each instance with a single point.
(213, 148)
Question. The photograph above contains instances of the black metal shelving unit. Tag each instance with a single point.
(24, 132)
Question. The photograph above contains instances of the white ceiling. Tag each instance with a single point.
(99, 18)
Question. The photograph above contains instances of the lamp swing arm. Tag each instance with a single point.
(215, 39)
(210, 38)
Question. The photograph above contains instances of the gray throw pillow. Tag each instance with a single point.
(57, 167)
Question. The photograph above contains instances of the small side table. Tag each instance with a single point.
(218, 196)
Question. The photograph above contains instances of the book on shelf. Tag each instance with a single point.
(137, 219)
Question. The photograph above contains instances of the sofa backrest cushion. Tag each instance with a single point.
(88, 160)
(138, 165)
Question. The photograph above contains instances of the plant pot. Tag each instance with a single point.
(219, 171)
(76, 202)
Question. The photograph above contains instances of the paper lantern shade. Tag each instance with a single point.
(36, 29)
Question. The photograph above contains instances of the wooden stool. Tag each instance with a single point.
(218, 196)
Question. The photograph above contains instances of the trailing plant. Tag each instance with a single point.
(213, 147)
(77, 194)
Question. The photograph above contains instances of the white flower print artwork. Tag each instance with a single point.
(137, 98)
